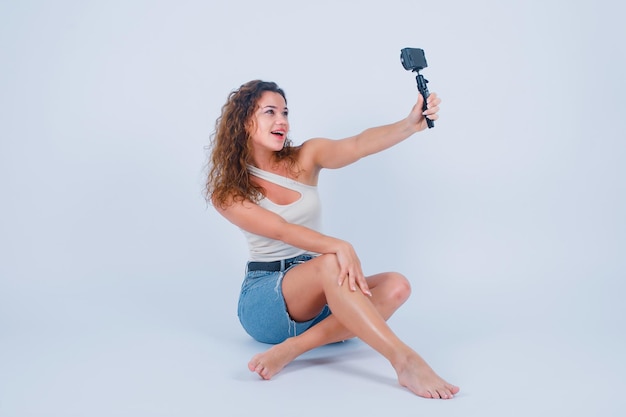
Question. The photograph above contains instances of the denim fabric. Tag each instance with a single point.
(262, 310)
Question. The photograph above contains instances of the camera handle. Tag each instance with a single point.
(423, 89)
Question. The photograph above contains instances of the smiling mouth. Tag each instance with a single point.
(281, 134)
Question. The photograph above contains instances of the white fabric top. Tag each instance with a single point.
(305, 211)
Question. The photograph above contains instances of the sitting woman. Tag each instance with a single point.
(302, 288)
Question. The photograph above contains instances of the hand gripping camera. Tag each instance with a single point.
(413, 59)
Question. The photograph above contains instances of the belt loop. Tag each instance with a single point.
(282, 265)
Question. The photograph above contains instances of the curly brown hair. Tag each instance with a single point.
(228, 178)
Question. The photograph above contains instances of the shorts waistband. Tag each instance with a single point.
(275, 266)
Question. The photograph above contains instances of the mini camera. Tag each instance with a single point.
(413, 59)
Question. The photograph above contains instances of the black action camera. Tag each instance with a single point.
(413, 59)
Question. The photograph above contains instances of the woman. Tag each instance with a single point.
(297, 276)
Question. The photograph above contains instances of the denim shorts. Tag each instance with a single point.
(262, 309)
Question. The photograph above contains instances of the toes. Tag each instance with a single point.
(254, 363)
(259, 369)
(453, 389)
(448, 391)
(444, 394)
(423, 393)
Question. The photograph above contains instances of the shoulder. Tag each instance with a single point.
(235, 208)
(312, 148)
(315, 143)
(330, 153)
(309, 154)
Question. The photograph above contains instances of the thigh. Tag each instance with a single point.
(303, 286)
(261, 307)
(262, 310)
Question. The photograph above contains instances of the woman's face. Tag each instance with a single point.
(269, 125)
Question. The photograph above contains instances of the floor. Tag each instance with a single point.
(172, 354)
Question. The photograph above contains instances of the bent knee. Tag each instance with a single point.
(400, 287)
(327, 265)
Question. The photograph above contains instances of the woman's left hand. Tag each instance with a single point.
(418, 116)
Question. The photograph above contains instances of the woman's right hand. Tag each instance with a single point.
(350, 269)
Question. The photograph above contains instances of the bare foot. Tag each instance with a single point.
(272, 361)
(417, 376)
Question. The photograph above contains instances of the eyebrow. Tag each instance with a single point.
(270, 106)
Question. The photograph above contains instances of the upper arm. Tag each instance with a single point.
(329, 153)
(254, 219)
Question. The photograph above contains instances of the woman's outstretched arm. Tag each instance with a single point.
(327, 153)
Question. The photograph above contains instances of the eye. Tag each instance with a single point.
(285, 113)
(269, 111)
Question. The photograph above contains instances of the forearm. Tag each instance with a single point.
(310, 240)
(377, 139)
(339, 153)
(347, 259)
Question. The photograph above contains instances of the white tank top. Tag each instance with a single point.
(305, 211)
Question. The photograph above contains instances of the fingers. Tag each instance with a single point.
(350, 269)
(365, 289)
(433, 99)
(419, 116)
(351, 276)
(355, 280)
(342, 277)
(433, 107)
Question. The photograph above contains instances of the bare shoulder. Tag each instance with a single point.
(312, 146)
(308, 156)
(314, 149)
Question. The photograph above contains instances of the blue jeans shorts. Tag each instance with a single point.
(262, 309)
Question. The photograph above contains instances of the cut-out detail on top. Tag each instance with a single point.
(305, 211)
(279, 190)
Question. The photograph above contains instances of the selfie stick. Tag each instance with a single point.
(423, 89)
(413, 59)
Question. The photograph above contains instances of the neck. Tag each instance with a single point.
(265, 160)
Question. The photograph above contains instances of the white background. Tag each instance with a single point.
(118, 284)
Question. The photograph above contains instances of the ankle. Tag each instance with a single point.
(401, 357)
(407, 358)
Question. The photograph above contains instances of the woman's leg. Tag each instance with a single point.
(309, 286)
(389, 291)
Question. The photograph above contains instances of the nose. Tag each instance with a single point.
(282, 119)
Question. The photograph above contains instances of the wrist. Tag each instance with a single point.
(409, 126)
(338, 245)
